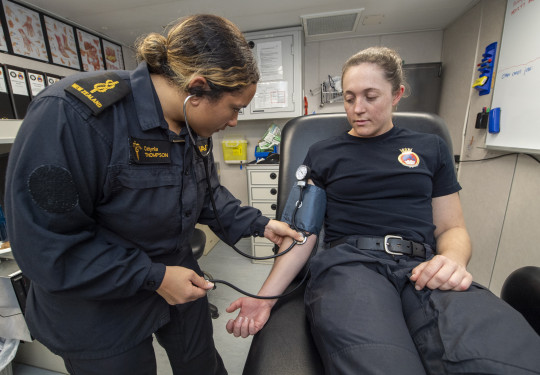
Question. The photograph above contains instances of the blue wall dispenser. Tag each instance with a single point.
(485, 67)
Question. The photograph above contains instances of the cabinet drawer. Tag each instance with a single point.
(262, 241)
(263, 251)
(267, 208)
(264, 177)
(264, 193)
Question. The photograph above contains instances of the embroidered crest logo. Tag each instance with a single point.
(408, 158)
(136, 147)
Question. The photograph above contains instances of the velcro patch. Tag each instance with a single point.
(99, 92)
(149, 151)
(52, 188)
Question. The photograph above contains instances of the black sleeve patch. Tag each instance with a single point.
(99, 92)
(52, 188)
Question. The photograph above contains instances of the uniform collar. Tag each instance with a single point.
(146, 101)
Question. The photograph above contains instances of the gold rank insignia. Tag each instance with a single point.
(99, 91)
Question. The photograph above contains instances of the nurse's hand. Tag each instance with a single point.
(253, 315)
(181, 285)
(276, 231)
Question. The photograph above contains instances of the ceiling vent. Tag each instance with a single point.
(340, 22)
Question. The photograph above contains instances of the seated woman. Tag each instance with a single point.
(391, 293)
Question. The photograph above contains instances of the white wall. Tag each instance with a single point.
(498, 196)
(327, 58)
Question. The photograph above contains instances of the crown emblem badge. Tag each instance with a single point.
(408, 158)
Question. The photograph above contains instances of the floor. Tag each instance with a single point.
(222, 263)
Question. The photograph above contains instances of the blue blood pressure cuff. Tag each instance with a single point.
(312, 207)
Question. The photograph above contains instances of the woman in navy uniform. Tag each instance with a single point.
(391, 294)
(104, 189)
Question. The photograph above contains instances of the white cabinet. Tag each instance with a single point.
(262, 194)
(279, 91)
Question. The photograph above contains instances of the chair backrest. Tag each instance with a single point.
(300, 133)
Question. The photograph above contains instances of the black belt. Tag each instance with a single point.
(394, 245)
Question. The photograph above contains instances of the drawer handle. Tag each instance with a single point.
(273, 191)
(273, 206)
(273, 176)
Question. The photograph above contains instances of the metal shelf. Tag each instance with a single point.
(331, 97)
(8, 130)
(331, 91)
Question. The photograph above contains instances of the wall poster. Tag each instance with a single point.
(90, 49)
(114, 60)
(3, 43)
(61, 38)
(25, 31)
(270, 60)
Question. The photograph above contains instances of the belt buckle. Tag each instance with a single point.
(388, 237)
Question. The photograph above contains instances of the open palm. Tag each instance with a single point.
(253, 315)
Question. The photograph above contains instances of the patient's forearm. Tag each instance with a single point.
(286, 267)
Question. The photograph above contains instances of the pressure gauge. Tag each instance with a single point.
(302, 173)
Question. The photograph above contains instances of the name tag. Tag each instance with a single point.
(149, 151)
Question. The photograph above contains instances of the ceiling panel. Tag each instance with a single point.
(124, 20)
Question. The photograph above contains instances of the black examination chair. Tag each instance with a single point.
(284, 346)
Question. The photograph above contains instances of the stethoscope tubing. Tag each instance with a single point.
(205, 158)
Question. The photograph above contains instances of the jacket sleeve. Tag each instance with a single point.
(238, 221)
(55, 176)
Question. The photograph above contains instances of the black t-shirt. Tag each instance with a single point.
(382, 185)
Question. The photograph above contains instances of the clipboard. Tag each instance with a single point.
(36, 82)
(51, 79)
(20, 96)
(6, 107)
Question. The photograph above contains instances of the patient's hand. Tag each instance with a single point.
(254, 314)
(442, 273)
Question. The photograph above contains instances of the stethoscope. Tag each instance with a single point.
(205, 158)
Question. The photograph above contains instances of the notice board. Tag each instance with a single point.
(517, 84)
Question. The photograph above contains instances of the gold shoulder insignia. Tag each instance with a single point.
(100, 91)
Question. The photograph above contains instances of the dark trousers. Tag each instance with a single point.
(367, 318)
(187, 339)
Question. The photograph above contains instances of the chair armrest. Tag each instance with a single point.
(284, 346)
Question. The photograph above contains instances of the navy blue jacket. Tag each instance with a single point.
(97, 206)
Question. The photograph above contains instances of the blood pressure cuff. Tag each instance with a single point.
(311, 210)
